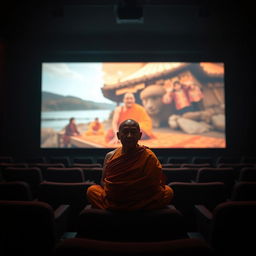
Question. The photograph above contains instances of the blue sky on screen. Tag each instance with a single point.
(83, 80)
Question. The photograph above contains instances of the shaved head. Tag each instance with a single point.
(129, 134)
(129, 122)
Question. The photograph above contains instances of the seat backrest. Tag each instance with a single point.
(204, 159)
(60, 159)
(249, 159)
(64, 174)
(225, 175)
(228, 159)
(233, 228)
(178, 160)
(31, 175)
(83, 160)
(179, 174)
(244, 191)
(189, 194)
(35, 159)
(93, 174)
(72, 194)
(95, 165)
(100, 160)
(247, 174)
(44, 166)
(15, 190)
(82, 246)
(3, 166)
(141, 226)
(56, 193)
(27, 228)
(237, 167)
(195, 165)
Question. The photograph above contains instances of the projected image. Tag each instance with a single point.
(177, 104)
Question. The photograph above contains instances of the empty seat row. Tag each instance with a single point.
(30, 229)
(69, 160)
(66, 160)
(35, 175)
(186, 195)
(209, 194)
(187, 174)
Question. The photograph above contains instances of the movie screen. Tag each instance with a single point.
(177, 104)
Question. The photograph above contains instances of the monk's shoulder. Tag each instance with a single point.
(150, 153)
(110, 154)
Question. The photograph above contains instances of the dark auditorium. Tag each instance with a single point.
(127, 128)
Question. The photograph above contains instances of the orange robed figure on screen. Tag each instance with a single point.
(132, 177)
(130, 110)
(95, 128)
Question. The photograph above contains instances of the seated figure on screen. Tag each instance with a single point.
(195, 96)
(95, 128)
(70, 130)
(130, 110)
(132, 176)
(178, 94)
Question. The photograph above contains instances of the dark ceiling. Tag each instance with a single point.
(87, 17)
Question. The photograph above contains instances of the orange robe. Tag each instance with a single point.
(132, 181)
(139, 114)
(95, 128)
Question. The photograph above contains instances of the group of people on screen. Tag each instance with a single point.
(186, 98)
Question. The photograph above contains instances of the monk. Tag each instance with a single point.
(132, 177)
(95, 128)
(130, 110)
(70, 130)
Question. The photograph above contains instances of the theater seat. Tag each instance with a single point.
(83, 160)
(95, 165)
(154, 225)
(195, 165)
(203, 160)
(93, 174)
(64, 174)
(188, 194)
(180, 247)
(27, 228)
(31, 175)
(225, 175)
(231, 229)
(236, 167)
(178, 160)
(244, 191)
(59, 193)
(247, 174)
(44, 166)
(15, 190)
(180, 174)
(60, 159)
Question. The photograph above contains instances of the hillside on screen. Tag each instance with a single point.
(178, 104)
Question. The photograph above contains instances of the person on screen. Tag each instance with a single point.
(132, 176)
(70, 130)
(95, 128)
(195, 97)
(179, 95)
(130, 110)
